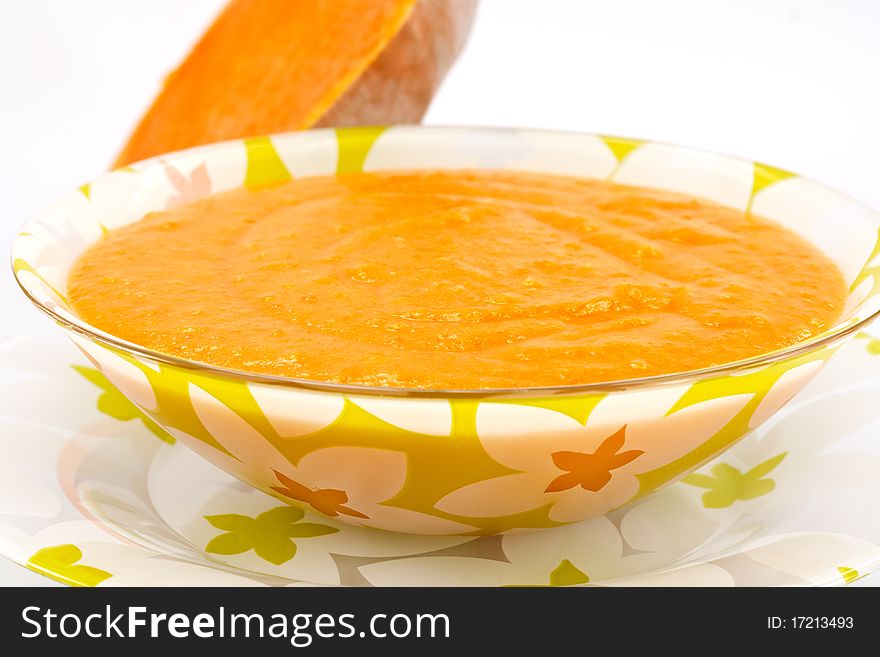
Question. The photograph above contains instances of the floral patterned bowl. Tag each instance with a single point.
(452, 462)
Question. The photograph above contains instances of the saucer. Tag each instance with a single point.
(93, 493)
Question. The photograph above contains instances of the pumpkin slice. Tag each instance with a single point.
(268, 66)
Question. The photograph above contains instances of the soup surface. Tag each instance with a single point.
(456, 280)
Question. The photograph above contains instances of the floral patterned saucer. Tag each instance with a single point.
(93, 493)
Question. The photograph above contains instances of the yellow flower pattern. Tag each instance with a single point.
(727, 484)
(116, 405)
(269, 535)
(60, 563)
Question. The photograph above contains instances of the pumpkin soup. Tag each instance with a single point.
(456, 280)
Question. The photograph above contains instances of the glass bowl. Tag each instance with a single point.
(452, 461)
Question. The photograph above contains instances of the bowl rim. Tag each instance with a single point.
(842, 330)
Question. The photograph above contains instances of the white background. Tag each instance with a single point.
(791, 83)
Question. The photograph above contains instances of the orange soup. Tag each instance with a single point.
(457, 280)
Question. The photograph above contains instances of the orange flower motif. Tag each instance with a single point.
(188, 189)
(592, 471)
(328, 501)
